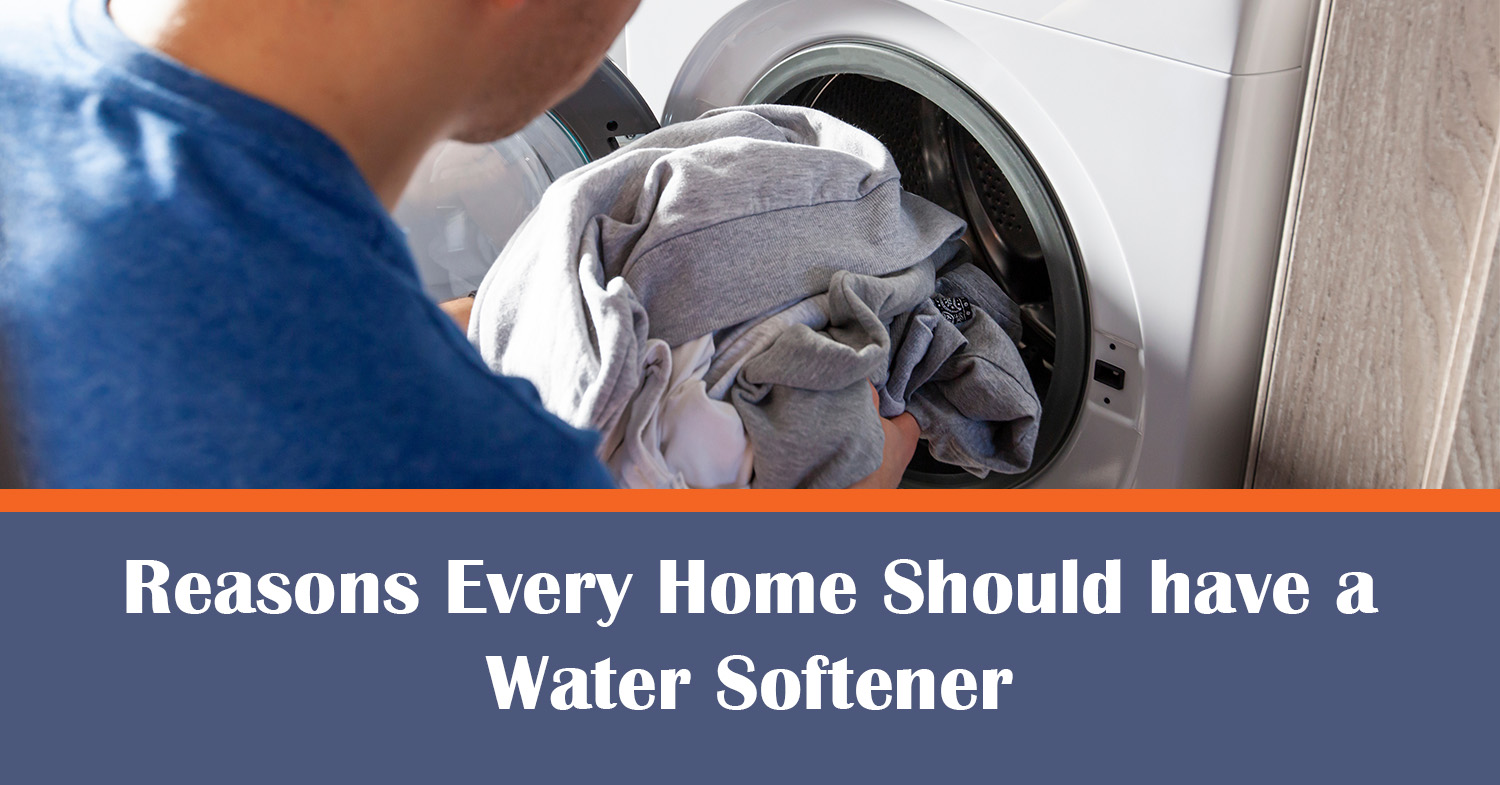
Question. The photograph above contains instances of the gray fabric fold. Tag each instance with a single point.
(804, 392)
(965, 382)
(690, 230)
(805, 399)
(783, 233)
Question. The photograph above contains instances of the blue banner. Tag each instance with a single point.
(381, 648)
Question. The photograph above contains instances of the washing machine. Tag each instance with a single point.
(1124, 167)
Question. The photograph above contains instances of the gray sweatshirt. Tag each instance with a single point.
(704, 227)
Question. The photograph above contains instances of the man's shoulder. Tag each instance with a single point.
(105, 186)
(183, 313)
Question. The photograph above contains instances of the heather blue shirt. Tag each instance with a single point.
(199, 289)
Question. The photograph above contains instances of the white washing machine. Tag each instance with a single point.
(1123, 165)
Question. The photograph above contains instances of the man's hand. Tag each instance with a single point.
(460, 310)
(901, 437)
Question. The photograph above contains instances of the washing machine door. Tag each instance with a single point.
(465, 201)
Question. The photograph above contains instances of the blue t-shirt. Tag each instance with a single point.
(198, 289)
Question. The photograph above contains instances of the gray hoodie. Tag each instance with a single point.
(705, 227)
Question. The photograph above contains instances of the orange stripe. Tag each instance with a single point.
(749, 501)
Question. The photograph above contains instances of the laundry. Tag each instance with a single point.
(675, 435)
(782, 237)
(805, 398)
(950, 356)
(957, 370)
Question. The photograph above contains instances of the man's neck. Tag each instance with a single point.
(306, 57)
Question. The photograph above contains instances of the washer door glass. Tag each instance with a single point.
(465, 201)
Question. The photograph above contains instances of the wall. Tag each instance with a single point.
(1474, 461)
(1390, 246)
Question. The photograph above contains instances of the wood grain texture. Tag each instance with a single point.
(1467, 337)
(1377, 312)
(1474, 461)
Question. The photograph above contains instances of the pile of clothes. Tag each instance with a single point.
(717, 297)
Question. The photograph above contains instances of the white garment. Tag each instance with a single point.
(675, 436)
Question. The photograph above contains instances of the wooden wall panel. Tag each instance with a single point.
(1475, 459)
(1379, 306)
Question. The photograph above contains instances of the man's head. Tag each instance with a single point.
(530, 54)
(387, 78)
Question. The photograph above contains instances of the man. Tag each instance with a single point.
(201, 284)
